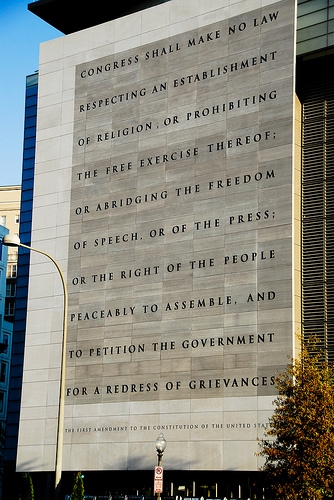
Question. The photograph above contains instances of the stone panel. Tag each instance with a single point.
(179, 230)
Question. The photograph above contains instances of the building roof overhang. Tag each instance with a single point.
(69, 16)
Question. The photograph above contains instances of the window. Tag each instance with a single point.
(3, 371)
(11, 270)
(2, 220)
(12, 257)
(17, 219)
(2, 402)
(10, 289)
(9, 308)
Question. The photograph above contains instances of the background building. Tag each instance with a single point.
(315, 87)
(6, 330)
(19, 325)
(295, 243)
(10, 199)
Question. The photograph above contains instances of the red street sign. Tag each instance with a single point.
(158, 476)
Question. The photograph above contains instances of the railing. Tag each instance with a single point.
(146, 497)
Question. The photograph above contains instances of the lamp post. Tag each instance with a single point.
(160, 446)
(14, 241)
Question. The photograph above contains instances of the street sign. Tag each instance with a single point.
(158, 476)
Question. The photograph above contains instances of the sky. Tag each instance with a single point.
(21, 33)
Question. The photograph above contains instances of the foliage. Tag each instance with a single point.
(299, 451)
(78, 492)
(26, 487)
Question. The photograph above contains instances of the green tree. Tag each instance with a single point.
(26, 487)
(78, 492)
(299, 446)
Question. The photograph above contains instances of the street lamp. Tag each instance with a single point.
(14, 241)
(160, 446)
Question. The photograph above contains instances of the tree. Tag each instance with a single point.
(26, 487)
(78, 492)
(299, 451)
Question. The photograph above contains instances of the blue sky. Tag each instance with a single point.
(21, 32)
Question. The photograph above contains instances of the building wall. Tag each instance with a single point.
(10, 197)
(184, 304)
(316, 90)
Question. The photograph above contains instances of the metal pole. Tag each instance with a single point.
(159, 453)
(61, 406)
